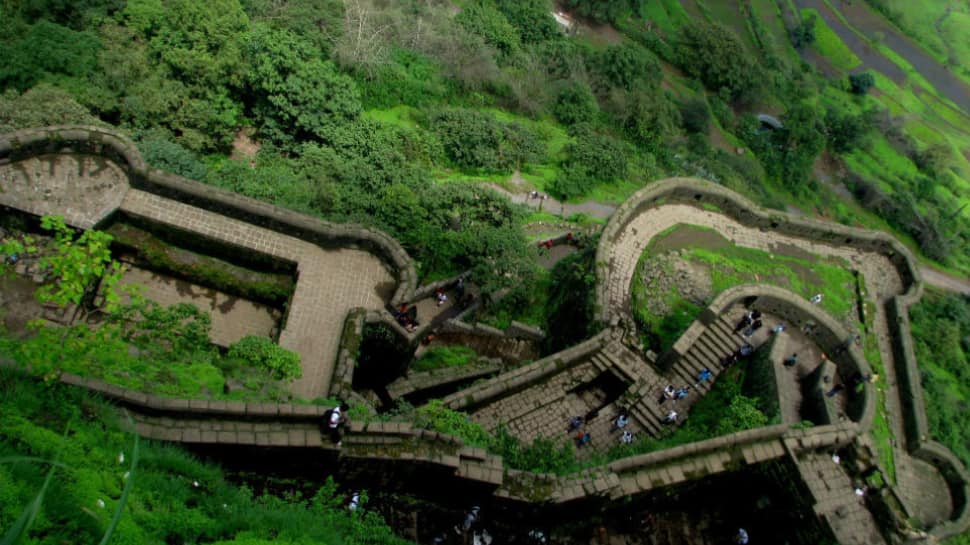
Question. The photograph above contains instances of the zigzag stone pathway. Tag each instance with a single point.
(86, 189)
(882, 282)
(329, 284)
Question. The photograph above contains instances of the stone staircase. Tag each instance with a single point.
(714, 342)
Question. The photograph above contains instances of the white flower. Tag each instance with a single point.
(195, 484)
(121, 457)
(100, 503)
(126, 475)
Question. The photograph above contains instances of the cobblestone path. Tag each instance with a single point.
(641, 230)
(329, 283)
(835, 500)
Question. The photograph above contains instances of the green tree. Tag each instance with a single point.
(532, 18)
(484, 20)
(320, 22)
(861, 83)
(474, 139)
(592, 158)
(803, 35)
(627, 64)
(695, 115)
(298, 95)
(649, 117)
(77, 264)
(846, 132)
(715, 55)
(575, 103)
(49, 51)
(198, 41)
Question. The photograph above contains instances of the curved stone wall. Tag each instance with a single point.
(828, 334)
(697, 192)
(24, 144)
(700, 193)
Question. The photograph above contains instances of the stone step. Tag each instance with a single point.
(601, 362)
(726, 331)
(646, 420)
(724, 345)
(713, 347)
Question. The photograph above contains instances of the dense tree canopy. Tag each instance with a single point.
(714, 54)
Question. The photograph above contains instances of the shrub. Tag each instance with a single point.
(435, 416)
(575, 103)
(861, 83)
(262, 352)
(714, 54)
(593, 158)
(695, 116)
(166, 155)
(846, 132)
(935, 160)
(804, 34)
(532, 18)
(473, 139)
(624, 65)
(484, 20)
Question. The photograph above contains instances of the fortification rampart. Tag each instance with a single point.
(701, 193)
(111, 145)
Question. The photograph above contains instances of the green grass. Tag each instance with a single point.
(399, 116)
(669, 15)
(880, 431)
(730, 265)
(170, 497)
(829, 45)
(941, 327)
(441, 357)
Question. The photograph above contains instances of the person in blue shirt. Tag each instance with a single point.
(704, 376)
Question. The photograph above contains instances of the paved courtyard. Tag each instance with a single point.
(232, 317)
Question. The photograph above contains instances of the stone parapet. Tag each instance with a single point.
(518, 379)
(107, 143)
(699, 192)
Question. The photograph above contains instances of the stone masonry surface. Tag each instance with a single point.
(84, 189)
(232, 317)
(329, 284)
(34, 182)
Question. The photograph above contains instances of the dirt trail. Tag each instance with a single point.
(867, 22)
(870, 57)
(590, 208)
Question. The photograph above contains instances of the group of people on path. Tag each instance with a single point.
(583, 437)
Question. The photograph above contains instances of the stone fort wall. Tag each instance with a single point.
(703, 193)
(115, 147)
